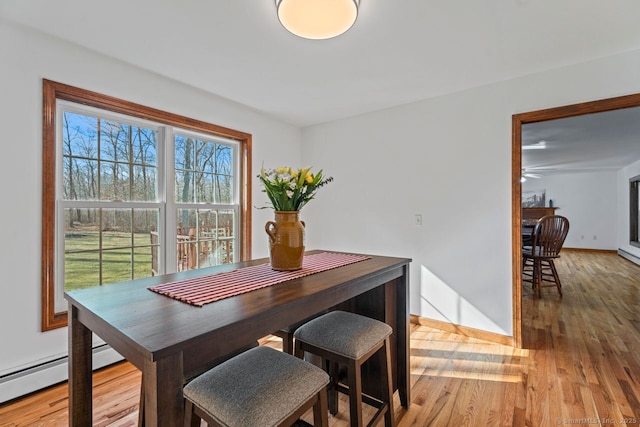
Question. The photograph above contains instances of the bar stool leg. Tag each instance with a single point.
(355, 393)
(189, 419)
(333, 369)
(287, 342)
(320, 410)
(385, 364)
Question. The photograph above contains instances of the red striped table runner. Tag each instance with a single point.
(204, 290)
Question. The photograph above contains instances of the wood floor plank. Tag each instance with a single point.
(581, 362)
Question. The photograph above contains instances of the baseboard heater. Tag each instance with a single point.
(631, 257)
(35, 378)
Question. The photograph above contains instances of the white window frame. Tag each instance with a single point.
(173, 206)
(166, 203)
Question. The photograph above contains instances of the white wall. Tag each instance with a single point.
(449, 159)
(27, 57)
(589, 201)
(624, 175)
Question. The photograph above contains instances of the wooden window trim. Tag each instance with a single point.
(52, 91)
(634, 233)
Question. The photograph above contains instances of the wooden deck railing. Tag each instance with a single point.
(212, 247)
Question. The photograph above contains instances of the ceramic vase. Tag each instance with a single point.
(286, 240)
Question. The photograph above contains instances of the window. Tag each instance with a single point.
(634, 214)
(130, 192)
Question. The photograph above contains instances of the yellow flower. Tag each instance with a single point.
(290, 189)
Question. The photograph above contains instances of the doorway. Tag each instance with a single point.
(518, 120)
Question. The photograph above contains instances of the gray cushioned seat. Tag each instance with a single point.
(260, 387)
(347, 334)
(188, 376)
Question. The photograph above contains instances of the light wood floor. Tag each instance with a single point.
(581, 364)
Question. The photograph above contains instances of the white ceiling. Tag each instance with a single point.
(595, 142)
(398, 52)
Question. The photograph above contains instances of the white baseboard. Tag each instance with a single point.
(47, 374)
(631, 257)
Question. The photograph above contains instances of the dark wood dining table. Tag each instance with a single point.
(166, 338)
(528, 225)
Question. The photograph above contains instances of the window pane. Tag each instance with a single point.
(226, 240)
(144, 183)
(79, 135)
(81, 248)
(145, 160)
(224, 174)
(107, 160)
(81, 270)
(204, 238)
(204, 187)
(126, 182)
(142, 263)
(81, 230)
(184, 168)
(144, 142)
(79, 165)
(80, 179)
(116, 265)
(184, 186)
(116, 228)
(114, 141)
(114, 181)
(109, 245)
(224, 189)
(204, 171)
(145, 241)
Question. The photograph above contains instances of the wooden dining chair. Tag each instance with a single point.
(549, 235)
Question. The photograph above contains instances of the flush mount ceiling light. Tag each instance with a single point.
(540, 145)
(317, 19)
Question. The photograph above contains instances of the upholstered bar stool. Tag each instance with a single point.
(193, 374)
(287, 332)
(350, 339)
(260, 387)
